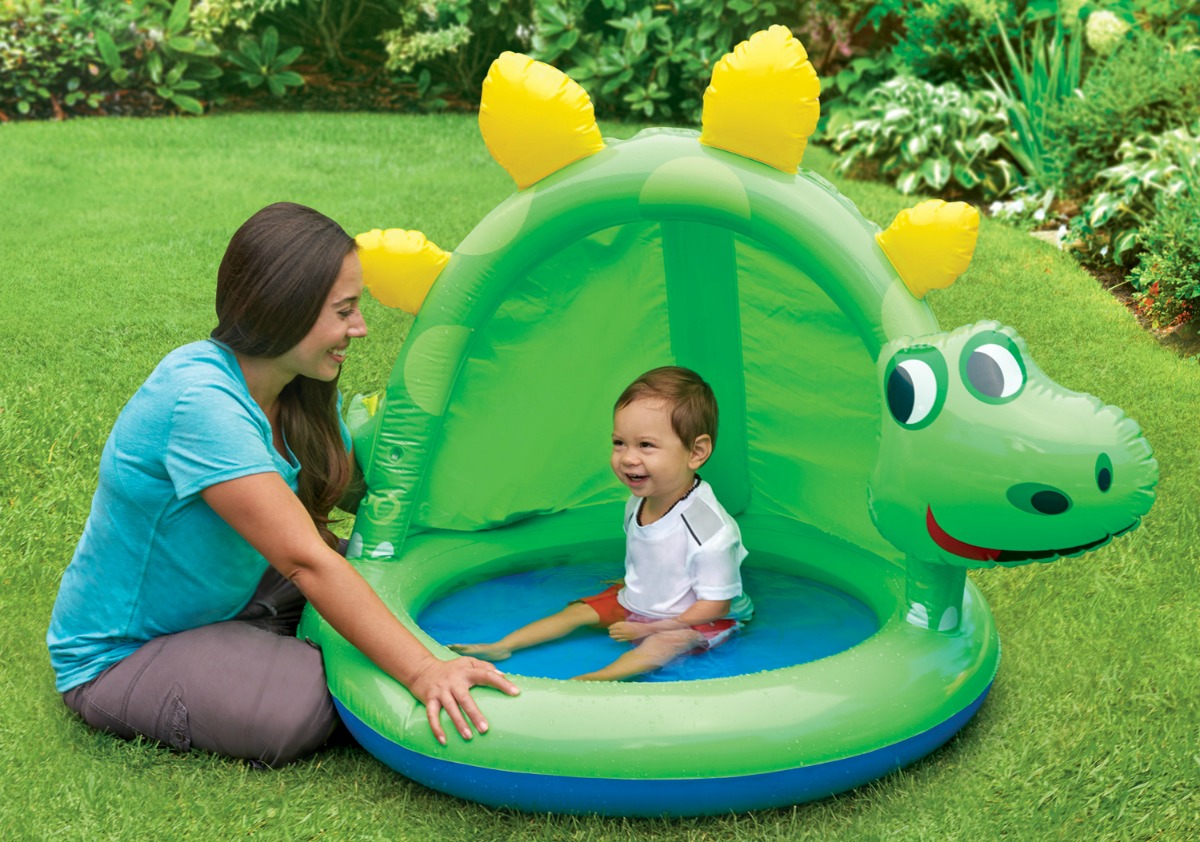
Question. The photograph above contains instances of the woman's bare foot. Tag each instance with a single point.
(483, 651)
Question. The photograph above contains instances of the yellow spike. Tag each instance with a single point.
(535, 119)
(931, 244)
(399, 266)
(764, 100)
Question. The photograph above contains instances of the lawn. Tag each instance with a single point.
(112, 231)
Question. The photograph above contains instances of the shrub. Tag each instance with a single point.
(948, 40)
(642, 59)
(48, 67)
(165, 56)
(1144, 89)
(1168, 272)
(921, 134)
(1167, 276)
(449, 47)
(1154, 171)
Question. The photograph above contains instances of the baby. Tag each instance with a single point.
(683, 552)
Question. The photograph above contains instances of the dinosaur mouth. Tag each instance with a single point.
(969, 551)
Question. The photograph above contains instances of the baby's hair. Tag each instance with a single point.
(692, 402)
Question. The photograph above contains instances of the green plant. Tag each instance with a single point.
(949, 40)
(1177, 23)
(261, 62)
(447, 48)
(1146, 88)
(1168, 272)
(640, 59)
(1154, 170)
(166, 58)
(919, 134)
(47, 66)
(1032, 83)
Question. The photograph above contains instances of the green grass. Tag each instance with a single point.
(112, 230)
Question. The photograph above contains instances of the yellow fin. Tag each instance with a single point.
(399, 266)
(764, 100)
(535, 119)
(931, 244)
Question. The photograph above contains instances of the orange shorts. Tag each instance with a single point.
(611, 611)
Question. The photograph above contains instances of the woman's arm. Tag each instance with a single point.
(268, 514)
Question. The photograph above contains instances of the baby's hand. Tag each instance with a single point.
(629, 631)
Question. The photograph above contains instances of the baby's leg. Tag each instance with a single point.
(574, 616)
(652, 653)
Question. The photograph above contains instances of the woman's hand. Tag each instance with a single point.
(268, 514)
(445, 685)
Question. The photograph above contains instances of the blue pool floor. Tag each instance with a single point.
(796, 620)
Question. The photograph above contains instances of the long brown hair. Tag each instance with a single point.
(272, 283)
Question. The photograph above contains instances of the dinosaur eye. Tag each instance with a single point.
(915, 386)
(992, 367)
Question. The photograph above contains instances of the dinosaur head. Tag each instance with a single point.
(984, 460)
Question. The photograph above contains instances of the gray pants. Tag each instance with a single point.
(245, 688)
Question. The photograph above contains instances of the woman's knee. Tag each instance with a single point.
(293, 714)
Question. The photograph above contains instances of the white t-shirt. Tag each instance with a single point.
(693, 552)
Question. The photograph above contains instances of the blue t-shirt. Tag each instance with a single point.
(154, 559)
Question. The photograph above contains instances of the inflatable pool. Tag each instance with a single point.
(859, 446)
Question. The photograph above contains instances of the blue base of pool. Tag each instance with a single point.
(796, 620)
(537, 793)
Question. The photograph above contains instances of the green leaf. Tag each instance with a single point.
(178, 20)
(908, 182)
(270, 45)
(186, 103)
(176, 73)
(277, 87)
(108, 49)
(288, 56)
(965, 176)
(936, 172)
(154, 66)
(1124, 243)
(242, 61)
(182, 43)
(205, 70)
(289, 77)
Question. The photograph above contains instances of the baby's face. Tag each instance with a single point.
(647, 455)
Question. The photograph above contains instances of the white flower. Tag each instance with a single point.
(1105, 32)
(1104, 251)
(1040, 214)
(995, 207)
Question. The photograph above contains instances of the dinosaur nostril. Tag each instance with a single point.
(1050, 502)
(1038, 499)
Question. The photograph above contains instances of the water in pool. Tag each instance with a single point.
(795, 620)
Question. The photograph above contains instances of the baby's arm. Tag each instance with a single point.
(701, 612)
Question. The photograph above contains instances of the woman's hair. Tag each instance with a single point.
(271, 286)
(691, 401)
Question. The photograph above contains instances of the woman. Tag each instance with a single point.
(209, 527)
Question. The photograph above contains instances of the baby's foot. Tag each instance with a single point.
(483, 651)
